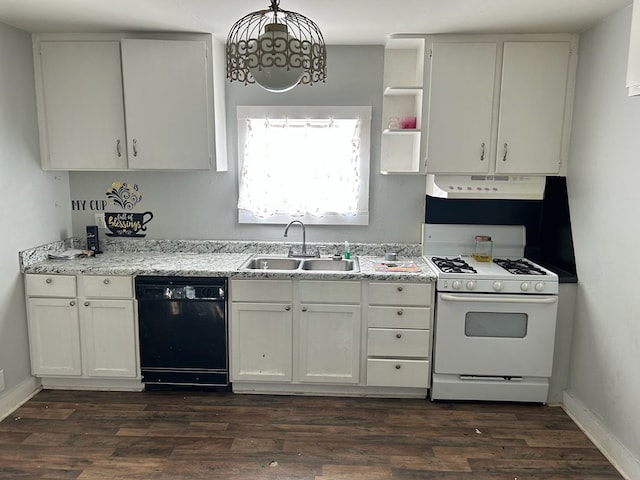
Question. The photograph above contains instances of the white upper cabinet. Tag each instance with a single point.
(82, 125)
(500, 105)
(165, 94)
(109, 103)
(461, 107)
(633, 67)
(532, 107)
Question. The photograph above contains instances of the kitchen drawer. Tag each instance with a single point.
(400, 317)
(317, 291)
(106, 286)
(389, 293)
(397, 373)
(387, 342)
(261, 291)
(37, 285)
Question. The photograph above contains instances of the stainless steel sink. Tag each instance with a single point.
(266, 262)
(331, 265)
(271, 263)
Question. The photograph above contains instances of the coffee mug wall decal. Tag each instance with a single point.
(127, 224)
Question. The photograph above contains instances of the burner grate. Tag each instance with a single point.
(453, 265)
(519, 266)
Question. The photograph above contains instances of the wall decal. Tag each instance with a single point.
(92, 205)
(126, 223)
(124, 195)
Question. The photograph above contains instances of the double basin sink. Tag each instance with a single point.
(266, 262)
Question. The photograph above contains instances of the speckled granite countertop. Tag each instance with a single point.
(203, 258)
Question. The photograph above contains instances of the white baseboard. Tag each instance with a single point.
(621, 458)
(19, 394)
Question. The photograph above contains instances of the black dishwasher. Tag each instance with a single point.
(182, 325)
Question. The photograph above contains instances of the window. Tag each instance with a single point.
(308, 163)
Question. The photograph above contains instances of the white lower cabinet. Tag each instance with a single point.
(261, 334)
(301, 336)
(399, 334)
(109, 338)
(329, 332)
(54, 336)
(261, 341)
(82, 331)
(335, 337)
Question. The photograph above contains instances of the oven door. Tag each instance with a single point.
(495, 335)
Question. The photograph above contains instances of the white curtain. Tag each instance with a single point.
(301, 167)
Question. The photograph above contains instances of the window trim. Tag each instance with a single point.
(325, 112)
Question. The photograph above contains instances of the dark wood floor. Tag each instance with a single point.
(178, 435)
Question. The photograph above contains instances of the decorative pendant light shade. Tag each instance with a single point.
(276, 49)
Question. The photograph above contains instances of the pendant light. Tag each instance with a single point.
(277, 49)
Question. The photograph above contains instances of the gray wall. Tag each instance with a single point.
(202, 205)
(604, 199)
(35, 205)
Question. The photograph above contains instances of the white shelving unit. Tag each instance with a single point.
(633, 69)
(402, 97)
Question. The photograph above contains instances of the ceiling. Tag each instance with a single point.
(341, 21)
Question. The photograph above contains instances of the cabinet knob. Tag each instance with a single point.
(287, 308)
(400, 289)
(398, 367)
(398, 335)
(304, 309)
(400, 312)
(72, 303)
(49, 280)
(86, 304)
(106, 281)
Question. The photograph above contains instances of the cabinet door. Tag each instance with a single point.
(109, 338)
(81, 111)
(54, 336)
(532, 107)
(261, 341)
(461, 107)
(167, 104)
(330, 343)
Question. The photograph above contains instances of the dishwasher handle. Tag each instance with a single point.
(183, 293)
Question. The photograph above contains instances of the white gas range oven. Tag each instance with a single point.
(495, 320)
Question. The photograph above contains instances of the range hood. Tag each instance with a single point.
(516, 187)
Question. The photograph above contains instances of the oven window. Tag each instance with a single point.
(496, 324)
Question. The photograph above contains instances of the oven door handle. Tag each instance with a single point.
(495, 299)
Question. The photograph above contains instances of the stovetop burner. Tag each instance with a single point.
(453, 265)
(519, 266)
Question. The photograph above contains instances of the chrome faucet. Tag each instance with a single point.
(304, 235)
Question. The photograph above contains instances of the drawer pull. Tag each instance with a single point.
(398, 367)
(287, 308)
(304, 309)
(398, 335)
(400, 289)
(400, 312)
(86, 304)
(106, 281)
(49, 280)
(72, 303)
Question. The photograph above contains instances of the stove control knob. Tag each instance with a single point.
(456, 284)
(524, 286)
(471, 285)
(539, 286)
(497, 285)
